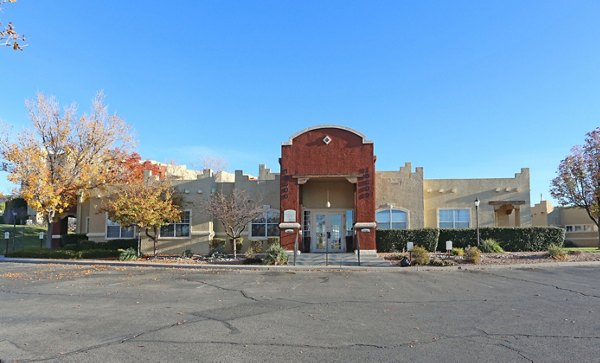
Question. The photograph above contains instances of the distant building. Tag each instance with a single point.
(328, 179)
(580, 231)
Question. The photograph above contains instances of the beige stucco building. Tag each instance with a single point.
(580, 230)
(329, 199)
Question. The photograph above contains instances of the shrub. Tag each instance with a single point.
(420, 256)
(187, 254)
(272, 241)
(88, 245)
(218, 252)
(275, 256)
(390, 240)
(473, 255)
(557, 253)
(254, 248)
(490, 246)
(115, 244)
(63, 253)
(215, 243)
(509, 238)
(73, 239)
(98, 253)
(239, 243)
(458, 251)
(127, 254)
(43, 253)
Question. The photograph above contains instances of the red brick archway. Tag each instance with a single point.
(329, 153)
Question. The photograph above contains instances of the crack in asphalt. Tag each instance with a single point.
(244, 294)
(225, 322)
(116, 341)
(515, 350)
(384, 301)
(538, 283)
(282, 345)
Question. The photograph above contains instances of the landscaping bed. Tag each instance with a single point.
(507, 258)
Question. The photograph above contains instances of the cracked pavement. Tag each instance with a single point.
(82, 313)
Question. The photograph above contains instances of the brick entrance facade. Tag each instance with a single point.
(329, 155)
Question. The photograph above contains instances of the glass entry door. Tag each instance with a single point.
(329, 232)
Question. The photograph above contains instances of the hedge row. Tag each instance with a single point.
(395, 239)
(510, 239)
(113, 244)
(63, 254)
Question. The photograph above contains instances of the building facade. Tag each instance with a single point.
(328, 183)
(580, 230)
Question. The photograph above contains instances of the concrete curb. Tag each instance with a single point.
(288, 268)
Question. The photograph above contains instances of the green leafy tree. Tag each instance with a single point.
(577, 182)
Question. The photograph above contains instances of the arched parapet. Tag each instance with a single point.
(339, 127)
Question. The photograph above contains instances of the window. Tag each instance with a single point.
(578, 228)
(114, 230)
(306, 225)
(266, 225)
(391, 219)
(178, 229)
(349, 222)
(454, 218)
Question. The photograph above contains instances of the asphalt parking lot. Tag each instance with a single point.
(99, 313)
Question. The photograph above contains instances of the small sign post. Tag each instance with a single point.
(6, 237)
(364, 227)
(449, 247)
(289, 227)
(41, 239)
(409, 248)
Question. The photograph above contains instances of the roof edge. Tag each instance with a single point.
(345, 128)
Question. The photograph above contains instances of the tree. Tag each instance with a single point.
(578, 178)
(8, 35)
(137, 168)
(148, 203)
(65, 156)
(235, 211)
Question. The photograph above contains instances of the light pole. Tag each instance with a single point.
(477, 218)
(14, 214)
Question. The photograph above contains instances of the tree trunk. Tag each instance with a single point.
(139, 244)
(235, 248)
(154, 239)
(49, 232)
(598, 237)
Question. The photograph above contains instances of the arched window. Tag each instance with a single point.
(266, 225)
(391, 218)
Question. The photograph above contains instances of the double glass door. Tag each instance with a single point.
(329, 232)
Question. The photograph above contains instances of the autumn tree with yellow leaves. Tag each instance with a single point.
(147, 202)
(65, 156)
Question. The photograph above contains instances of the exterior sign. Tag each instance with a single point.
(289, 216)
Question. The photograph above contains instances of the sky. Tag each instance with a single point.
(465, 89)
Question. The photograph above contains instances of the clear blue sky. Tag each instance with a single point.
(465, 89)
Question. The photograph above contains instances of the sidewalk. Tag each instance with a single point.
(298, 267)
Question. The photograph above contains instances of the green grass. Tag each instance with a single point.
(582, 249)
(26, 237)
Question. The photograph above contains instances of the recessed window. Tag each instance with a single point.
(579, 228)
(266, 225)
(179, 229)
(454, 218)
(115, 230)
(391, 218)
